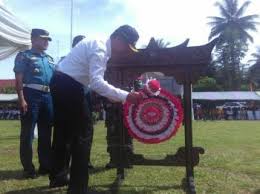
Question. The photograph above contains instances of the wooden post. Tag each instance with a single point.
(188, 135)
(121, 166)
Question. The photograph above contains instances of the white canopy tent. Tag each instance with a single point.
(8, 98)
(243, 95)
(234, 95)
(14, 35)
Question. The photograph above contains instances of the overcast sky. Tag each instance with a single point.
(172, 20)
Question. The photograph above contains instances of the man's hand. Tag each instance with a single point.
(19, 90)
(23, 106)
(134, 97)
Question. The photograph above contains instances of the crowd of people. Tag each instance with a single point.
(9, 113)
(212, 112)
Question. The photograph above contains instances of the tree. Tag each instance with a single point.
(206, 84)
(161, 43)
(229, 69)
(232, 27)
(256, 56)
(156, 43)
(254, 70)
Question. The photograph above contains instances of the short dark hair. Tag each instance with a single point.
(77, 39)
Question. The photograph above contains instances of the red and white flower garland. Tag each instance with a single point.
(155, 119)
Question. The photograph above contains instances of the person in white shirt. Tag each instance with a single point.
(84, 65)
(75, 41)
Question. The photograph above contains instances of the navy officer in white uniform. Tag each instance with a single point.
(84, 65)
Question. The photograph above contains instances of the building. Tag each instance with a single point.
(6, 83)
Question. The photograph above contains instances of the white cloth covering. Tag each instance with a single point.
(14, 35)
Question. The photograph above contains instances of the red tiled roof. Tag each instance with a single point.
(7, 83)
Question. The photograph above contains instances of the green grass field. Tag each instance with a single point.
(231, 163)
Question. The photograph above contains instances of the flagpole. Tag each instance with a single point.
(71, 22)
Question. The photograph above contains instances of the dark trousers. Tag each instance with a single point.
(87, 93)
(72, 123)
(40, 111)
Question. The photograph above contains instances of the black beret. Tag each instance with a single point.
(40, 33)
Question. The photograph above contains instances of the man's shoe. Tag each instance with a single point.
(29, 174)
(59, 182)
(77, 190)
(43, 171)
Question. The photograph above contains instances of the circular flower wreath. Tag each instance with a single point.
(156, 118)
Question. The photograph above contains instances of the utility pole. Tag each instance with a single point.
(58, 50)
(71, 22)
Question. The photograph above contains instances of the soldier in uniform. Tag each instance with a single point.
(113, 134)
(33, 72)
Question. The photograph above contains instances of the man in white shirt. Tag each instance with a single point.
(84, 65)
